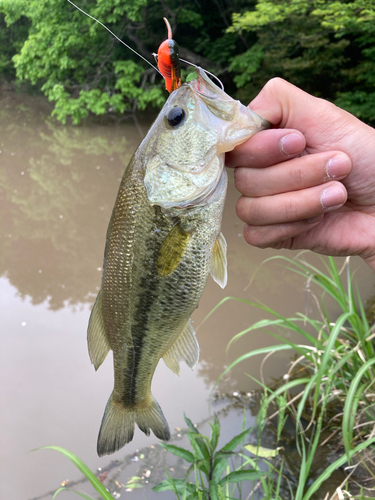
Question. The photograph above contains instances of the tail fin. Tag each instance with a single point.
(117, 427)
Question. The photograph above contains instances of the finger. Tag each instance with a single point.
(278, 235)
(291, 206)
(321, 122)
(285, 105)
(267, 148)
(293, 175)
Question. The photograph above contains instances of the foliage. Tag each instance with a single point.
(324, 47)
(335, 368)
(104, 494)
(208, 465)
(11, 40)
(83, 69)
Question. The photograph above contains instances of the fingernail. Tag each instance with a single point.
(338, 167)
(332, 197)
(292, 144)
(318, 218)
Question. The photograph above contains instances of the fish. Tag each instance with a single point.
(163, 241)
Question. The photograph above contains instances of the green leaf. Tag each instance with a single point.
(177, 485)
(223, 454)
(134, 479)
(213, 488)
(215, 433)
(163, 486)
(242, 475)
(190, 424)
(260, 451)
(218, 469)
(233, 443)
(199, 446)
(134, 486)
(179, 452)
(191, 76)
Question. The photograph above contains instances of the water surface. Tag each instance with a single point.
(57, 189)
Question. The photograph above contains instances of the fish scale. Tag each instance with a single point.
(163, 241)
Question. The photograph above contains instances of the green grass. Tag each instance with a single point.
(218, 473)
(215, 477)
(104, 494)
(337, 359)
(334, 370)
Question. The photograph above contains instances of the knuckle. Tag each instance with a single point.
(296, 177)
(275, 83)
(243, 210)
(292, 211)
(241, 179)
(253, 236)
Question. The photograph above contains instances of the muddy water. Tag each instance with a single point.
(57, 189)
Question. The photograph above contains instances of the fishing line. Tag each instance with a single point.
(208, 72)
(117, 38)
(139, 55)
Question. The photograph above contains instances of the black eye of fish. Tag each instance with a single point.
(175, 116)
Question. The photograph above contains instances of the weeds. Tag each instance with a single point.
(338, 367)
(208, 465)
(328, 393)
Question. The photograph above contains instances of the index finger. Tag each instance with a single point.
(266, 148)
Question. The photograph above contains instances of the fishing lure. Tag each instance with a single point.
(167, 58)
(168, 61)
(164, 239)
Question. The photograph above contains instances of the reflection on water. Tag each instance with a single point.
(57, 189)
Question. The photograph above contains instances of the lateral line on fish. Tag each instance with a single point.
(117, 38)
(141, 327)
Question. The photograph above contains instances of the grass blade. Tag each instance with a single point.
(335, 465)
(349, 404)
(83, 468)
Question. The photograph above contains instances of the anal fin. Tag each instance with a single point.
(219, 261)
(97, 341)
(185, 348)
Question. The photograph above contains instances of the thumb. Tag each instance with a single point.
(286, 106)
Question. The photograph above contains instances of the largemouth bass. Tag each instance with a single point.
(163, 241)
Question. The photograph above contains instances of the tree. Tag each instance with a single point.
(324, 47)
(83, 69)
(327, 48)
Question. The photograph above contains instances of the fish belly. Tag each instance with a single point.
(145, 313)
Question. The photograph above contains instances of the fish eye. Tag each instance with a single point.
(175, 116)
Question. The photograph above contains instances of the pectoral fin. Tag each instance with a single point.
(219, 261)
(97, 341)
(185, 348)
(172, 250)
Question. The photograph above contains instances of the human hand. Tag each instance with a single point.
(309, 183)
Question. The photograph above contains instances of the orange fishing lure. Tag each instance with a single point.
(169, 61)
